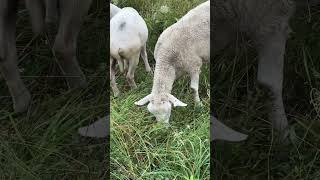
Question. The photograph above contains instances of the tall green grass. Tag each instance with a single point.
(141, 148)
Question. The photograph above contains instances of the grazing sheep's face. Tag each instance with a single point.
(160, 108)
(160, 105)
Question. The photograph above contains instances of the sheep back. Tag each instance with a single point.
(187, 38)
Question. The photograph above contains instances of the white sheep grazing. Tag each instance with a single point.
(182, 47)
(113, 10)
(128, 38)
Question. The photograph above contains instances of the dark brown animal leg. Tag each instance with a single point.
(8, 56)
(37, 15)
(65, 45)
(270, 73)
(51, 11)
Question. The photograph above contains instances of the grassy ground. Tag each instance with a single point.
(43, 142)
(142, 148)
(260, 157)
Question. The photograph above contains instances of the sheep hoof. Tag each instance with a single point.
(288, 136)
(133, 85)
(199, 104)
(150, 72)
(198, 108)
(21, 103)
(116, 94)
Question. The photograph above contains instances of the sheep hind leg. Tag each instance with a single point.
(125, 66)
(270, 73)
(145, 58)
(8, 58)
(194, 85)
(113, 83)
(65, 45)
(133, 63)
(51, 11)
(120, 64)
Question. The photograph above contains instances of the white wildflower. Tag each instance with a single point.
(164, 9)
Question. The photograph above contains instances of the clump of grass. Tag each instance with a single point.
(141, 148)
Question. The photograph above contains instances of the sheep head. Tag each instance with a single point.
(160, 105)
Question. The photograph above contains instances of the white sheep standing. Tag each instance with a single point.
(128, 38)
(182, 47)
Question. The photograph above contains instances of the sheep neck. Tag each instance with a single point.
(164, 77)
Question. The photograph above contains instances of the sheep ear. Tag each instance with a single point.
(143, 101)
(98, 129)
(219, 131)
(176, 102)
